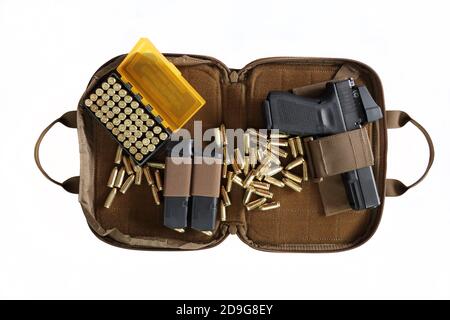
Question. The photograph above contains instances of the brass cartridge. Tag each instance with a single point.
(127, 184)
(253, 157)
(274, 181)
(247, 195)
(305, 172)
(293, 185)
(223, 211)
(246, 142)
(291, 176)
(163, 136)
(139, 156)
(119, 179)
(263, 193)
(230, 176)
(224, 134)
(279, 152)
(278, 135)
(254, 132)
(127, 163)
(138, 179)
(295, 163)
(218, 137)
(261, 185)
(270, 206)
(236, 168)
(156, 195)
(238, 158)
(148, 176)
(238, 180)
(156, 165)
(255, 204)
(111, 81)
(298, 144)
(225, 197)
(273, 171)
(278, 143)
(248, 180)
(110, 198)
(291, 142)
(112, 177)
(224, 169)
(158, 180)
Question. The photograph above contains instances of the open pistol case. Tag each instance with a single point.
(305, 222)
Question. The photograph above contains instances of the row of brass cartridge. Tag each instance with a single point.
(255, 168)
(126, 118)
(125, 173)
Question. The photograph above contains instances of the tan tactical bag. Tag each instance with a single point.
(234, 97)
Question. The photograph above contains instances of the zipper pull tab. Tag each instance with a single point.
(233, 76)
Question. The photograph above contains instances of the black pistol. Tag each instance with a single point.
(342, 107)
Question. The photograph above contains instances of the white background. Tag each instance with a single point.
(49, 50)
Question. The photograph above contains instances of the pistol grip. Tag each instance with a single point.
(302, 116)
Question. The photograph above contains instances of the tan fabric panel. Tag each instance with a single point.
(206, 178)
(339, 153)
(334, 198)
(177, 177)
(344, 72)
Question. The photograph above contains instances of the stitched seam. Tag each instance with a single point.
(370, 157)
(364, 149)
(352, 145)
(324, 164)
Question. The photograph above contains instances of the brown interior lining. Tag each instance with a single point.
(300, 223)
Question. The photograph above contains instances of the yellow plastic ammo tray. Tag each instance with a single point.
(160, 85)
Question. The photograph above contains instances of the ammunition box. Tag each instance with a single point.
(162, 96)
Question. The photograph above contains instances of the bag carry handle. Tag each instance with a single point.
(69, 119)
(397, 119)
